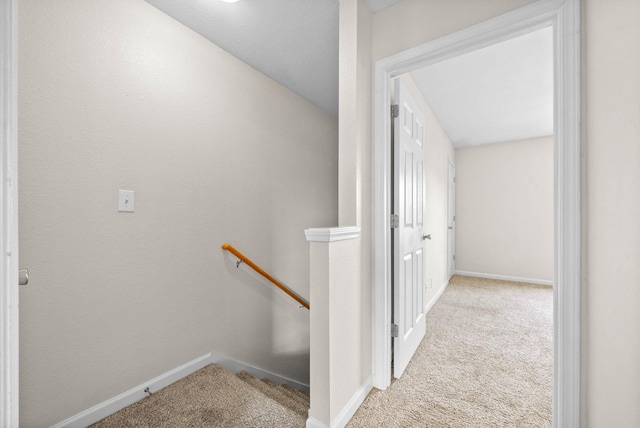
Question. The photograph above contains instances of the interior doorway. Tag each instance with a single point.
(563, 17)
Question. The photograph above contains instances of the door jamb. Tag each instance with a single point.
(9, 356)
(564, 17)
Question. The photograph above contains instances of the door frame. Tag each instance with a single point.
(9, 351)
(564, 17)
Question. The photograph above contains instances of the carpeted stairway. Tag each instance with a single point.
(214, 397)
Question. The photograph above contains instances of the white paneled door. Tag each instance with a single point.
(408, 237)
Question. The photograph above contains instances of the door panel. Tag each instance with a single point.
(408, 241)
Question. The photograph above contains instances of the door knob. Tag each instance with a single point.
(23, 276)
(426, 237)
(450, 227)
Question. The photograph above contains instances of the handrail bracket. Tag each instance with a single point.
(242, 258)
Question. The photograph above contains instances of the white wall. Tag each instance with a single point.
(611, 180)
(116, 95)
(611, 101)
(504, 209)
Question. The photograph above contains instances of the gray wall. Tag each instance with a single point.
(116, 95)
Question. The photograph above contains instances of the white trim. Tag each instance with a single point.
(348, 410)
(435, 298)
(505, 278)
(9, 293)
(119, 402)
(331, 234)
(108, 407)
(314, 423)
(354, 403)
(564, 16)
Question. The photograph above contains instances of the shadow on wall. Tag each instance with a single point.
(281, 335)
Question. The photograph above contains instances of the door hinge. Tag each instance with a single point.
(395, 221)
(454, 218)
(454, 257)
(394, 330)
(395, 110)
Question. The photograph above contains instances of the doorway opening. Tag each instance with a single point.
(563, 17)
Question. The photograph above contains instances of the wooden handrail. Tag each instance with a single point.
(281, 286)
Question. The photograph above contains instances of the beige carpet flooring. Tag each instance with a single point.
(486, 361)
(214, 397)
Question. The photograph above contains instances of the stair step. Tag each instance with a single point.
(210, 397)
(276, 392)
(302, 400)
(302, 394)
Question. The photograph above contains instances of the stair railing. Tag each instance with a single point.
(244, 259)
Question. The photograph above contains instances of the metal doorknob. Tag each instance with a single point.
(23, 276)
(426, 237)
(450, 227)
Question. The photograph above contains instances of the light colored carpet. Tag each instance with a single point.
(486, 361)
(212, 397)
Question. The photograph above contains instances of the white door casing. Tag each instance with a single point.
(451, 220)
(408, 243)
(9, 215)
(564, 17)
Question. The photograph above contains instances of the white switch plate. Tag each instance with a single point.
(126, 201)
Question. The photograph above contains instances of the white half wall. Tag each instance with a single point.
(114, 94)
(504, 209)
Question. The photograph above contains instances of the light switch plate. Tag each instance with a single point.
(126, 201)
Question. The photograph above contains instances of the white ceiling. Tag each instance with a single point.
(295, 42)
(499, 93)
(503, 92)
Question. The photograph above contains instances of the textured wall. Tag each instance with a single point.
(611, 126)
(611, 100)
(504, 203)
(116, 95)
(410, 23)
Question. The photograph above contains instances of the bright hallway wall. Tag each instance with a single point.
(504, 210)
(114, 95)
(610, 39)
(611, 130)
(365, 38)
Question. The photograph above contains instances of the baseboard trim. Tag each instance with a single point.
(437, 296)
(354, 404)
(314, 423)
(505, 278)
(348, 411)
(119, 402)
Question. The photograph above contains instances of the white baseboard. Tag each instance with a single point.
(435, 298)
(108, 407)
(506, 278)
(314, 423)
(119, 402)
(354, 404)
(347, 411)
